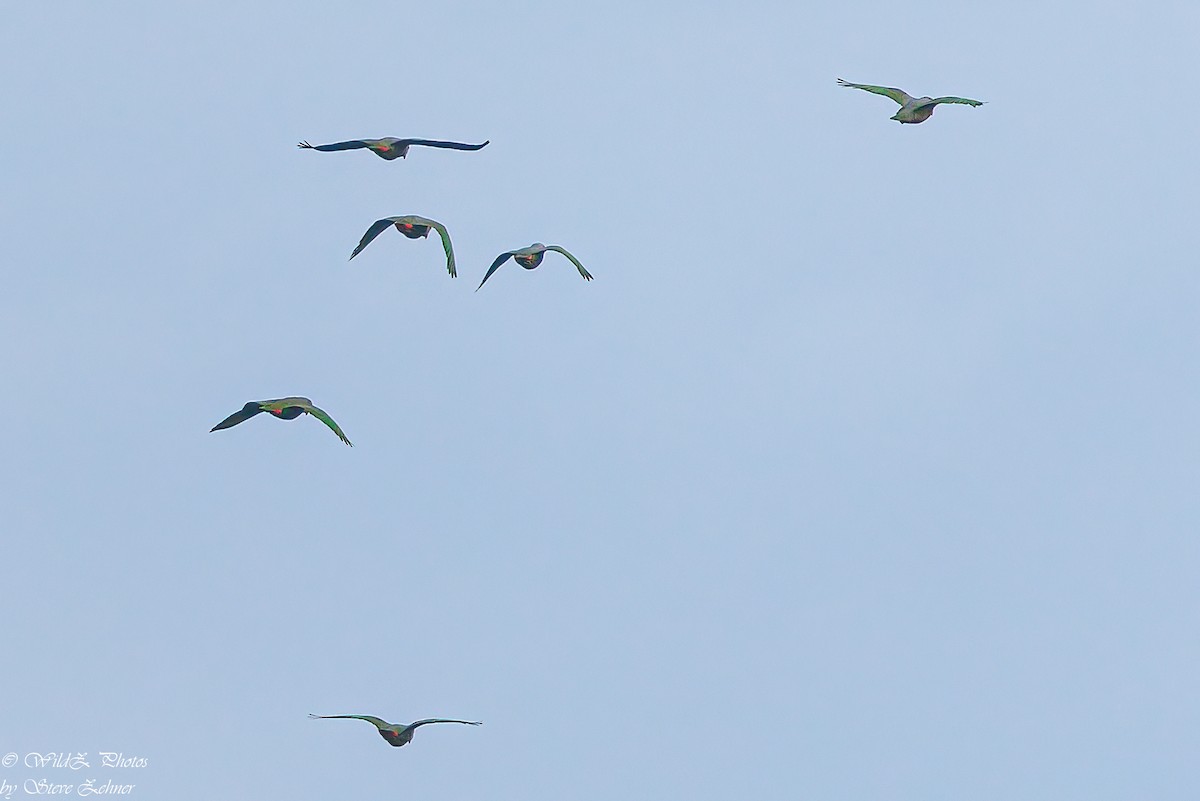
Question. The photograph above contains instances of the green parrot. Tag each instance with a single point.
(397, 734)
(531, 257)
(389, 147)
(284, 409)
(912, 109)
(413, 227)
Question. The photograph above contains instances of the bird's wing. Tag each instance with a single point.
(574, 261)
(379, 724)
(495, 266)
(966, 101)
(436, 143)
(445, 244)
(377, 228)
(899, 95)
(353, 144)
(240, 416)
(327, 420)
(417, 723)
(278, 404)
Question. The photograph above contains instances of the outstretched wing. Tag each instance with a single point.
(240, 416)
(417, 723)
(377, 228)
(436, 143)
(575, 261)
(379, 724)
(899, 95)
(327, 420)
(353, 144)
(966, 101)
(446, 246)
(495, 266)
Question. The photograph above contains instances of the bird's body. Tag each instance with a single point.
(284, 409)
(413, 227)
(397, 734)
(389, 147)
(531, 257)
(913, 110)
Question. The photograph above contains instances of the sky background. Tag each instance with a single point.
(865, 469)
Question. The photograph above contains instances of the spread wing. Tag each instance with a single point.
(446, 246)
(415, 724)
(379, 724)
(327, 420)
(899, 95)
(495, 266)
(240, 416)
(377, 228)
(966, 101)
(575, 261)
(353, 144)
(437, 143)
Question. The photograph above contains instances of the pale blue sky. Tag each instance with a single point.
(865, 469)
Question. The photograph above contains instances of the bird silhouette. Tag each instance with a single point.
(912, 109)
(413, 227)
(389, 147)
(397, 734)
(531, 257)
(284, 409)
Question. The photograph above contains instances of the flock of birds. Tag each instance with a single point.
(413, 227)
(913, 110)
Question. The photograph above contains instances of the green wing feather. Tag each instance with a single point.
(441, 229)
(899, 95)
(377, 228)
(279, 404)
(495, 266)
(445, 235)
(417, 723)
(966, 101)
(378, 723)
(327, 420)
(575, 261)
